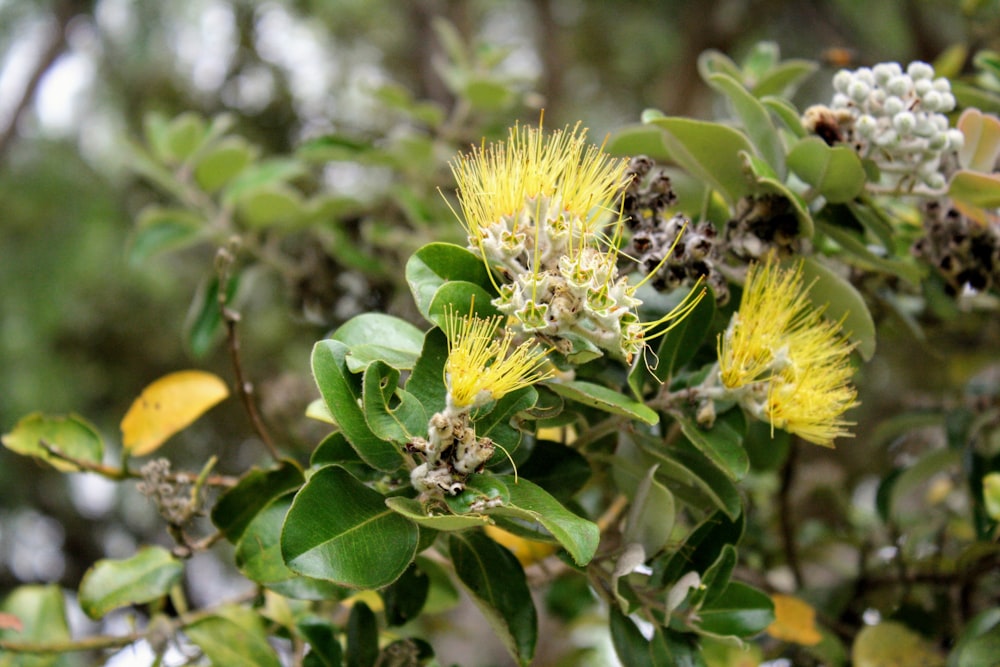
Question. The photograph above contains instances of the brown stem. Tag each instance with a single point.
(120, 474)
(245, 388)
(786, 519)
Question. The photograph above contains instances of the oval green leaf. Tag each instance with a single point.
(756, 120)
(740, 611)
(111, 584)
(376, 336)
(238, 506)
(72, 435)
(842, 301)
(340, 530)
(709, 151)
(496, 583)
(835, 171)
(530, 502)
(235, 637)
(258, 557)
(342, 391)
(437, 263)
(603, 398)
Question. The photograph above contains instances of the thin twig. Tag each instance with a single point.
(120, 474)
(245, 388)
(785, 516)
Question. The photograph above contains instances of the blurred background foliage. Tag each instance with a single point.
(370, 99)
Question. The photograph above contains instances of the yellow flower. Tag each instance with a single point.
(498, 180)
(481, 368)
(541, 211)
(792, 364)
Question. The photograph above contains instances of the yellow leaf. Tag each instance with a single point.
(794, 621)
(526, 551)
(167, 406)
(891, 644)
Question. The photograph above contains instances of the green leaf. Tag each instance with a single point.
(701, 548)
(426, 382)
(716, 579)
(435, 264)
(405, 597)
(496, 583)
(42, 614)
(222, 162)
(340, 530)
(602, 398)
(341, 390)
(204, 321)
(392, 413)
(531, 503)
(755, 118)
(160, 229)
(842, 301)
(853, 244)
(258, 558)
(788, 114)
(423, 516)
(72, 435)
(235, 637)
(560, 470)
(740, 611)
(686, 466)
(663, 648)
(260, 176)
(713, 61)
(184, 135)
(634, 140)
(971, 187)
(237, 507)
(979, 642)
(374, 336)
(970, 96)
(784, 78)
(270, 205)
(362, 637)
(488, 95)
(459, 295)
(680, 344)
(723, 443)
(835, 171)
(324, 649)
(651, 515)
(709, 151)
(146, 576)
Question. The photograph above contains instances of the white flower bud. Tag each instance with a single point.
(859, 91)
(955, 139)
(885, 71)
(865, 74)
(938, 142)
(893, 105)
(919, 70)
(942, 85)
(921, 86)
(899, 85)
(841, 80)
(932, 101)
(947, 102)
(925, 126)
(840, 101)
(940, 121)
(866, 126)
(903, 122)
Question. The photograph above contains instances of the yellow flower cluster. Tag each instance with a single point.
(540, 210)
(481, 367)
(793, 365)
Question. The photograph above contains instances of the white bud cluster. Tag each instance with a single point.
(897, 119)
(561, 284)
